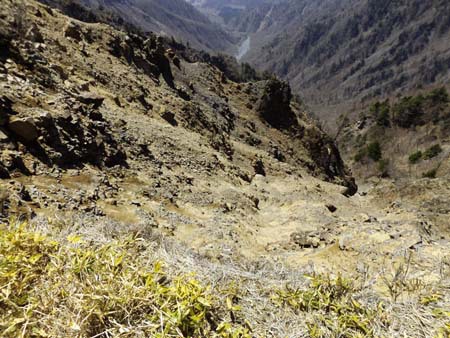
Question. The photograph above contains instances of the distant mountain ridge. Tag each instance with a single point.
(354, 50)
(175, 18)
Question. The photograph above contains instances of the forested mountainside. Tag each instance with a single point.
(174, 18)
(407, 137)
(352, 50)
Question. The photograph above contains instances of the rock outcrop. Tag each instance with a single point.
(274, 106)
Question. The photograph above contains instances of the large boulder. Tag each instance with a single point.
(91, 99)
(325, 154)
(5, 110)
(24, 128)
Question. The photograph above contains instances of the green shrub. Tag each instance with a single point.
(374, 151)
(439, 96)
(430, 174)
(408, 112)
(381, 112)
(383, 167)
(415, 157)
(432, 152)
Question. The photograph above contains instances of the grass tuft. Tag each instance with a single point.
(335, 311)
(79, 289)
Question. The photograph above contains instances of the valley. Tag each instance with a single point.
(148, 189)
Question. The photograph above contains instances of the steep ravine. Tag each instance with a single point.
(107, 135)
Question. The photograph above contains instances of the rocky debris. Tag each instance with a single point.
(34, 34)
(220, 142)
(200, 121)
(12, 162)
(73, 30)
(143, 101)
(5, 110)
(258, 167)
(71, 140)
(24, 128)
(168, 116)
(331, 208)
(147, 55)
(274, 106)
(91, 99)
(276, 152)
(306, 239)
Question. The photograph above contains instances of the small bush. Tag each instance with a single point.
(430, 174)
(408, 112)
(432, 152)
(439, 96)
(381, 112)
(415, 157)
(383, 167)
(374, 151)
(360, 155)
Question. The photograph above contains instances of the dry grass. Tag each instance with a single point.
(107, 284)
(80, 289)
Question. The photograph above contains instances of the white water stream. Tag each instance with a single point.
(243, 49)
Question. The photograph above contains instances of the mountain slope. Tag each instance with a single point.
(408, 137)
(225, 11)
(354, 50)
(174, 18)
(135, 164)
